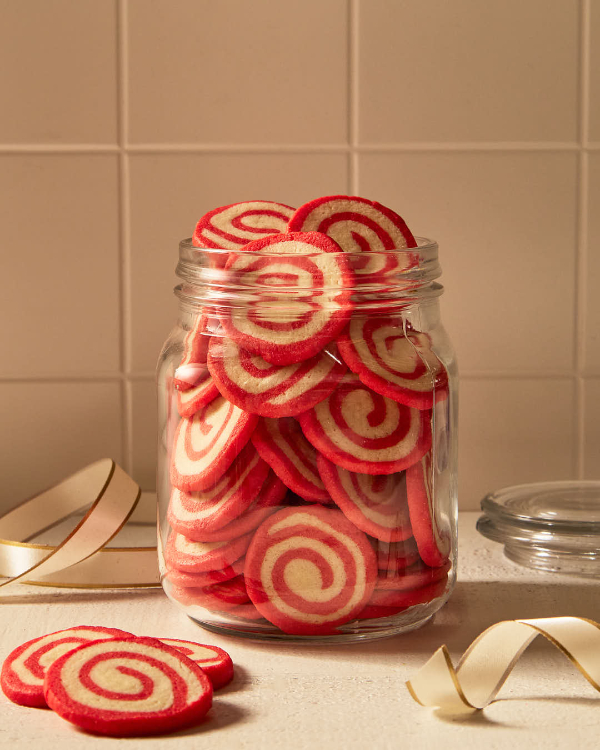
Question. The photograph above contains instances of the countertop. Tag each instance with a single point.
(345, 697)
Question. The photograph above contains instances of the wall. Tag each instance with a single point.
(123, 122)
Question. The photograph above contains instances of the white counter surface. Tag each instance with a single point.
(344, 697)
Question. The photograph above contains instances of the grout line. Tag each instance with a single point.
(124, 234)
(58, 148)
(350, 51)
(350, 173)
(295, 148)
(350, 97)
(127, 425)
(125, 263)
(584, 72)
(524, 375)
(236, 148)
(582, 238)
(353, 96)
(141, 375)
(579, 408)
(80, 378)
(475, 146)
(355, 7)
(122, 196)
(355, 174)
(580, 307)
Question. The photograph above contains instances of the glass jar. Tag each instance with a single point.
(311, 496)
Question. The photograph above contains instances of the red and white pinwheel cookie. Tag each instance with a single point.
(218, 597)
(195, 346)
(200, 394)
(395, 556)
(401, 367)
(386, 603)
(365, 432)
(206, 444)
(375, 503)
(386, 597)
(414, 577)
(309, 570)
(258, 387)
(281, 443)
(230, 227)
(433, 542)
(360, 226)
(22, 677)
(198, 557)
(127, 687)
(270, 496)
(198, 580)
(300, 287)
(214, 661)
(194, 513)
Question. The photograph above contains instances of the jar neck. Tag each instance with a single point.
(381, 282)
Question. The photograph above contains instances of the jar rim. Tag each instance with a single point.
(192, 254)
(402, 276)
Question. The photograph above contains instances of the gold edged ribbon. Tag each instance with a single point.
(489, 660)
(82, 559)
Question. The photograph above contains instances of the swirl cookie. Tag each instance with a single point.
(127, 687)
(359, 226)
(199, 557)
(258, 387)
(214, 661)
(230, 227)
(23, 671)
(366, 432)
(281, 443)
(434, 542)
(375, 503)
(309, 570)
(193, 361)
(300, 287)
(399, 366)
(206, 444)
(194, 513)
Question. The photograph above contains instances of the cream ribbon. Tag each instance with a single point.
(81, 560)
(489, 660)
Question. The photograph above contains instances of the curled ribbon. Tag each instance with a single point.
(82, 559)
(491, 657)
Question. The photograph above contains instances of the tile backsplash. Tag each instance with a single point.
(123, 121)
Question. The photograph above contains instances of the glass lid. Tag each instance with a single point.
(571, 505)
(550, 526)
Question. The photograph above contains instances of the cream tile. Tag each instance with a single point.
(506, 227)
(592, 275)
(594, 108)
(61, 63)
(169, 193)
(60, 265)
(238, 72)
(468, 70)
(592, 429)
(513, 431)
(50, 430)
(144, 433)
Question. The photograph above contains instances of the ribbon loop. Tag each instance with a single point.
(82, 558)
(489, 660)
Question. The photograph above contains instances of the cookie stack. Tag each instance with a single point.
(108, 681)
(303, 485)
